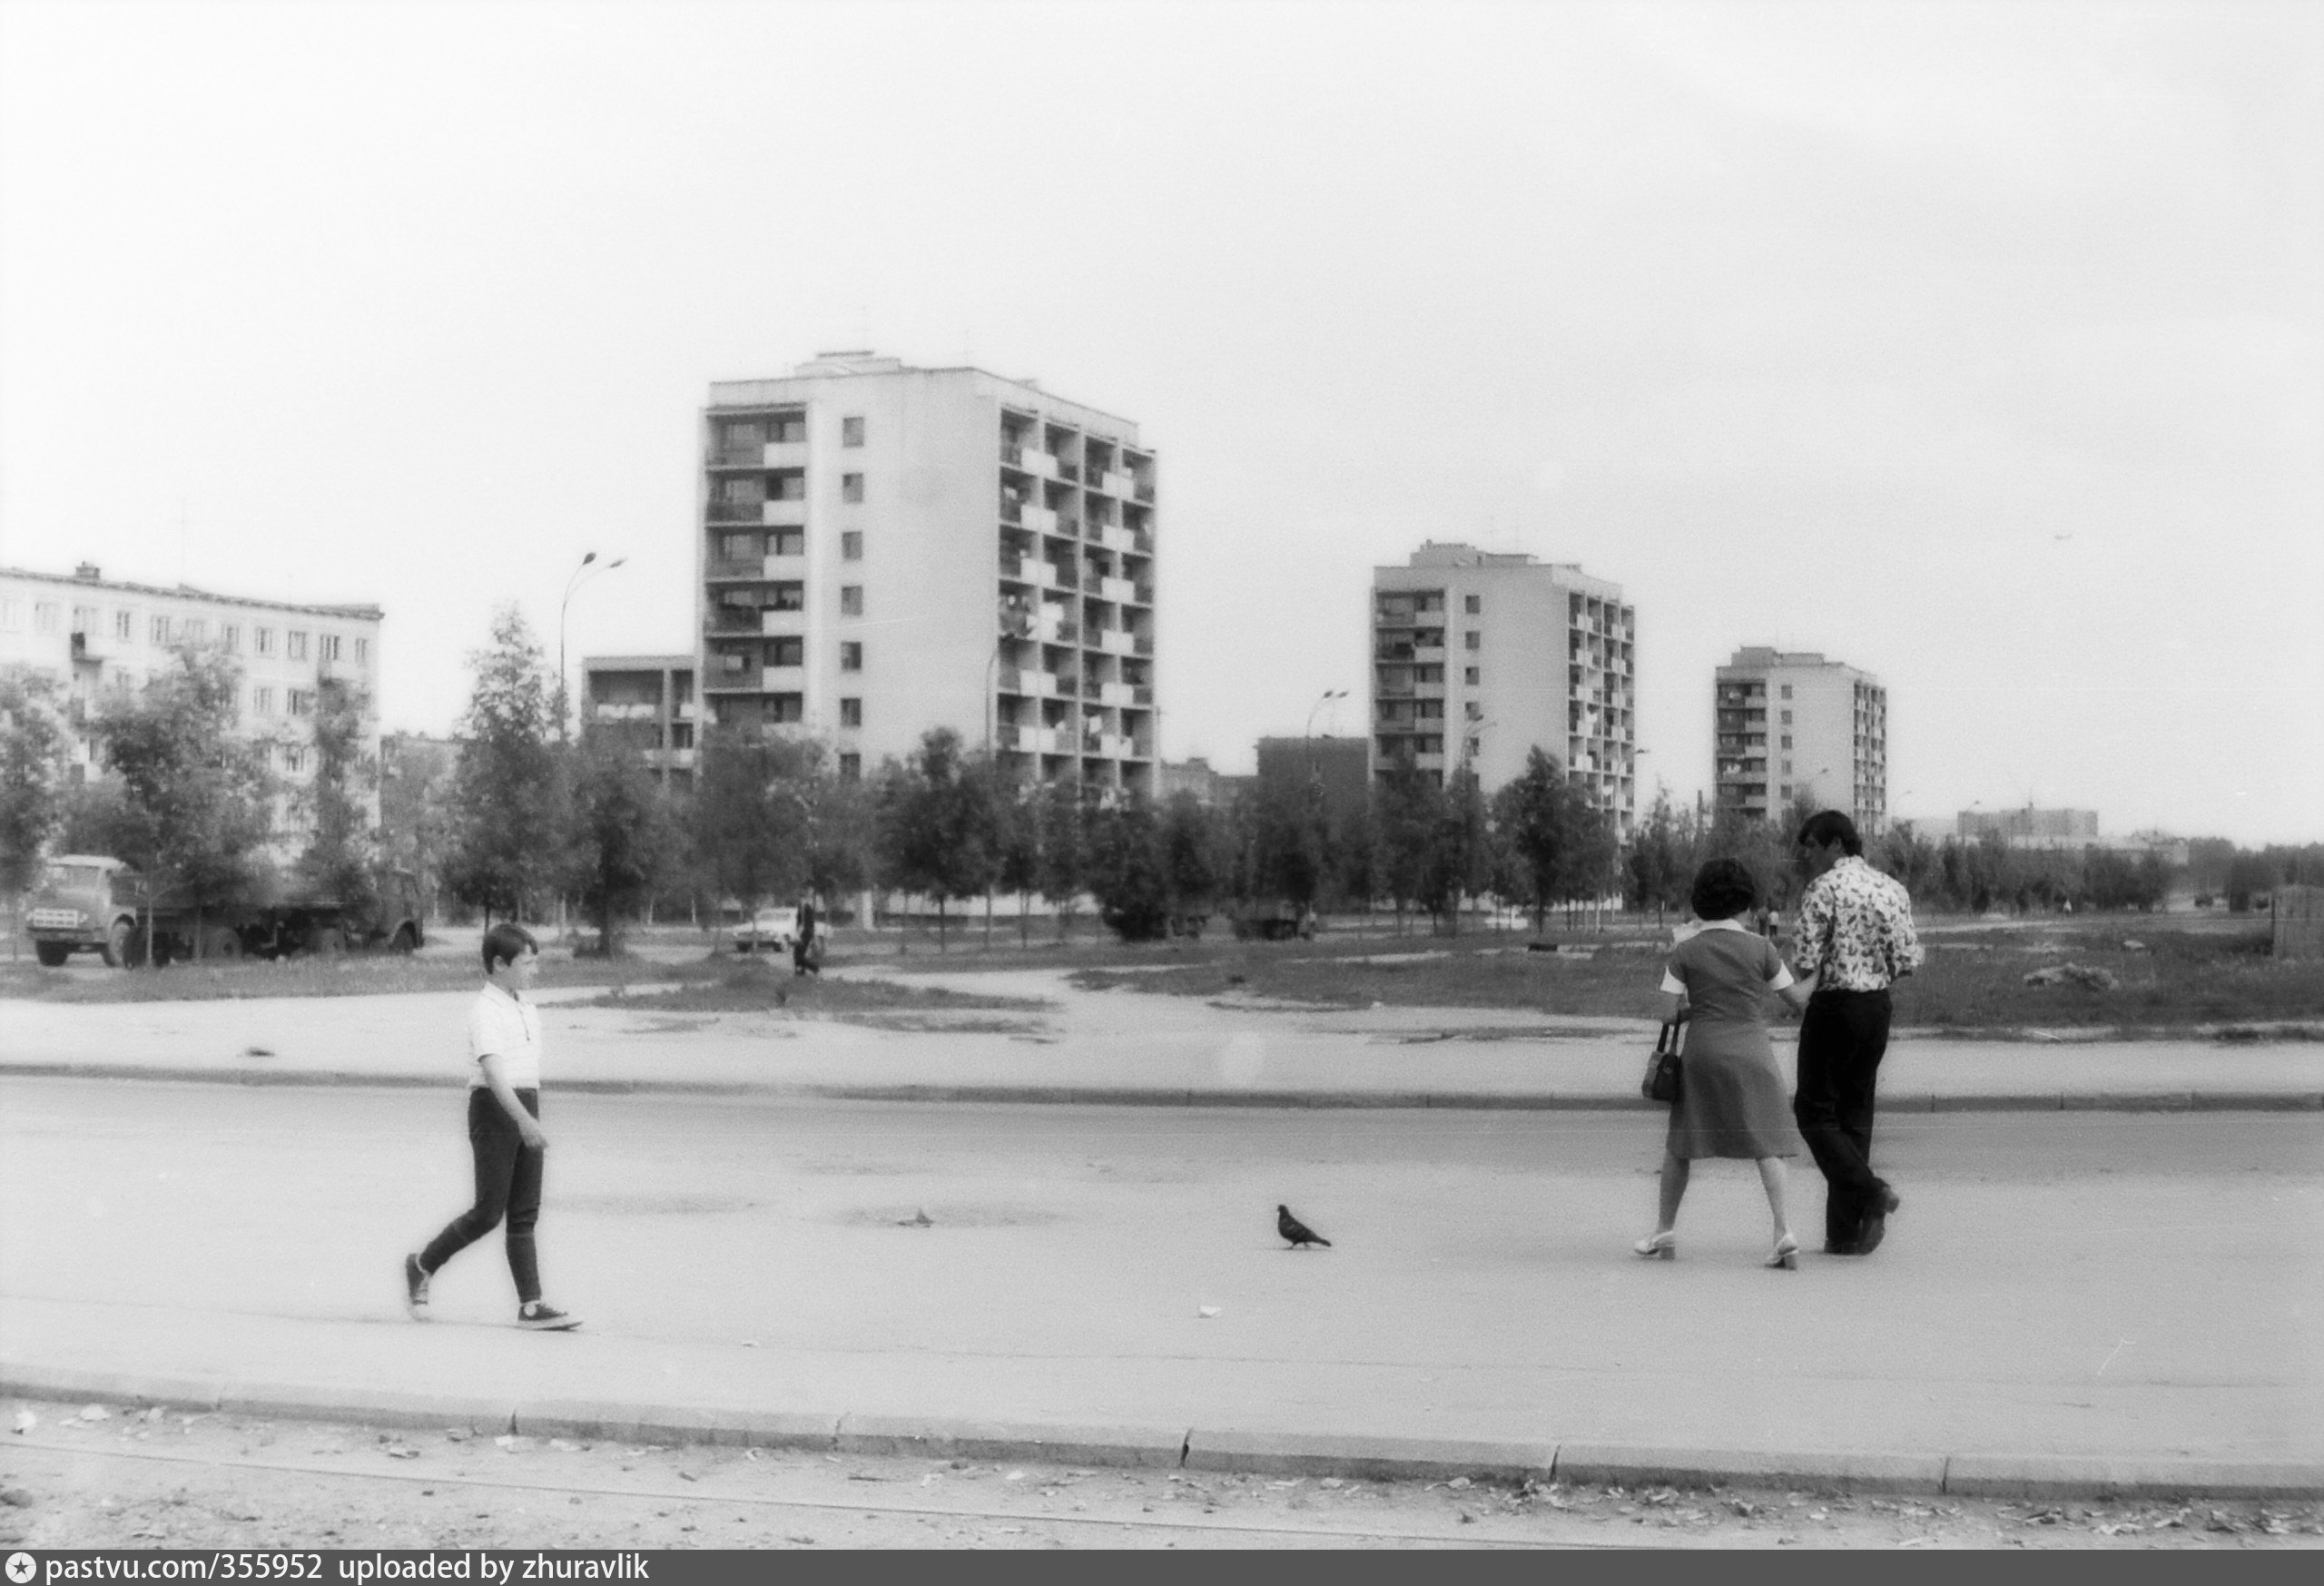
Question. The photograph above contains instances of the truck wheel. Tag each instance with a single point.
(222, 943)
(115, 950)
(163, 951)
(138, 950)
(52, 954)
(406, 941)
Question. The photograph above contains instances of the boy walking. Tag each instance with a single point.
(504, 1132)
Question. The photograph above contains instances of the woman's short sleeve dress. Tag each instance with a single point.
(1732, 1103)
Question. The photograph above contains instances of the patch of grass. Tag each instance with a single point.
(749, 986)
(355, 975)
(1973, 982)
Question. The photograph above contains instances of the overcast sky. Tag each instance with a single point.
(1979, 347)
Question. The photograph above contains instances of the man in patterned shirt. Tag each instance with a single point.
(1853, 942)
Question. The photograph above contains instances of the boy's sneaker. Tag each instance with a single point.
(415, 1288)
(543, 1318)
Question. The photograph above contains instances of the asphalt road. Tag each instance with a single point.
(2072, 1282)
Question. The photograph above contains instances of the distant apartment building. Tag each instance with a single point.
(103, 639)
(887, 549)
(2030, 824)
(647, 701)
(1478, 657)
(1790, 725)
(1196, 776)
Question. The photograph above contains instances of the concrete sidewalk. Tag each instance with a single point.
(2121, 1304)
(1119, 1047)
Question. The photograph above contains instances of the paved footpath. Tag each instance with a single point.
(1117, 1046)
(2110, 1322)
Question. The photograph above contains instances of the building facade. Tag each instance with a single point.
(1478, 657)
(102, 639)
(886, 550)
(649, 702)
(1790, 725)
(1336, 769)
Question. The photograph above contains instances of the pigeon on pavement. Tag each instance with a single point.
(1300, 1235)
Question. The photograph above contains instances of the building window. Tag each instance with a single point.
(850, 546)
(331, 646)
(295, 644)
(230, 637)
(1468, 675)
(1787, 716)
(850, 655)
(1787, 768)
(851, 712)
(124, 625)
(1472, 604)
(787, 542)
(44, 616)
(850, 432)
(850, 600)
(788, 428)
(785, 709)
(1786, 790)
(681, 735)
(738, 547)
(850, 768)
(301, 701)
(84, 619)
(294, 758)
(261, 701)
(1786, 691)
(158, 630)
(851, 487)
(1786, 740)
(1474, 711)
(790, 487)
(362, 652)
(789, 595)
(1473, 640)
(791, 651)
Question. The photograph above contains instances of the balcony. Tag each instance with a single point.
(735, 619)
(1012, 508)
(1041, 518)
(791, 514)
(1069, 472)
(1112, 641)
(724, 511)
(1429, 652)
(1120, 591)
(1113, 484)
(1142, 644)
(782, 679)
(1428, 691)
(1117, 695)
(1392, 653)
(1034, 461)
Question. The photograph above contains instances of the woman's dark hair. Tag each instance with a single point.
(505, 944)
(1827, 827)
(1723, 889)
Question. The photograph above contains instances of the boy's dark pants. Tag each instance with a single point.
(1842, 1038)
(507, 1180)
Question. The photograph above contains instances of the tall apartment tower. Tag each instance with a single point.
(1479, 656)
(888, 549)
(1789, 724)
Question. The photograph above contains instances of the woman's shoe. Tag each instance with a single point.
(1665, 1245)
(1787, 1254)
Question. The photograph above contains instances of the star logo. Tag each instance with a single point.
(20, 1567)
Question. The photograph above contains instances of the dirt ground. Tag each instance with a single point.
(73, 1476)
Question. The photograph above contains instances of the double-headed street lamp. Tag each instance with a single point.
(581, 573)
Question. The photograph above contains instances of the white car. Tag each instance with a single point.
(776, 930)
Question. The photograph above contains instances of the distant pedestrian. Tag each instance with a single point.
(1853, 940)
(1730, 1101)
(504, 1132)
(806, 954)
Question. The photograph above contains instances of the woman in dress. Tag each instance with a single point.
(1731, 1100)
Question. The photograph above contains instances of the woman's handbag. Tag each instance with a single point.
(1665, 1067)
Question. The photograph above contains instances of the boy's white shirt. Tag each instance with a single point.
(507, 1027)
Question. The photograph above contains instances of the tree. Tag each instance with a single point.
(939, 833)
(507, 805)
(415, 816)
(1290, 857)
(1534, 814)
(1127, 874)
(754, 796)
(1018, 865)
(1461, 859)
(1660, 874)
(621, 837)
(1194, 866)
(341, 850)
(1065, 849)
(195, 795)
(33, 742)
(1408, 805)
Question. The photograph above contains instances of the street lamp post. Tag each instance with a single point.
(580, 575)
(1307, 733)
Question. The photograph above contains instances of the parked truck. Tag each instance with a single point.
(96, 904)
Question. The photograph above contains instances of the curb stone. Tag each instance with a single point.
(1105, 1096)
(1294, 1454)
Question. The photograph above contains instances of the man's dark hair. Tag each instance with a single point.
(1827, 827)
(505, 944)
(1723, 889)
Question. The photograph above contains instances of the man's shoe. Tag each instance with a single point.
(543, 1318)
(1841, 1247)
(415, 1288)
(1876, 1228)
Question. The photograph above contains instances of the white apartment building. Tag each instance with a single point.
(650, 701)
(1790, 725)
(1480, 656)
(887, 549)
(102, 638)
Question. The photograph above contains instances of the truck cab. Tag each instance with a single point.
(87, 902)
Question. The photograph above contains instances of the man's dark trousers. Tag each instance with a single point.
(1842, 1038)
